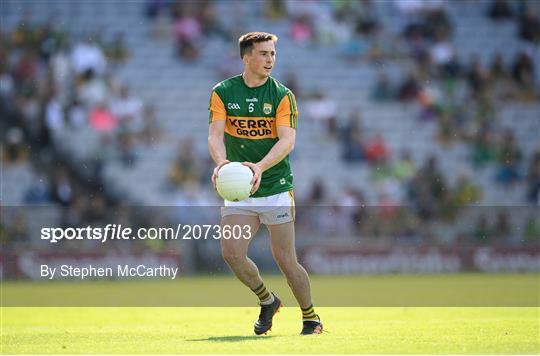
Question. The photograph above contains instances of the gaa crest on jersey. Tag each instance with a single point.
(267, 108)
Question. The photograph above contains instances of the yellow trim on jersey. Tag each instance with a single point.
(217, 108)
(254, 128)
(286, 112)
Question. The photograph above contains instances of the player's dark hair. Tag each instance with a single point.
(246, 41)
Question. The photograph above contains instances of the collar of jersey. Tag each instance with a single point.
(260, 86)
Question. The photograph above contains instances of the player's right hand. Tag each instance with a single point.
(216, 170)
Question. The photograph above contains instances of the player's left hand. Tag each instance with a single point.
(257, 173)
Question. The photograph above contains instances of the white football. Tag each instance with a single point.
(234, 181)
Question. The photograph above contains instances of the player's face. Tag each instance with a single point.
(261, 59)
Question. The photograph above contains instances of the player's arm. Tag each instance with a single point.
(216, 145)
(286, 116)
(284, 146)
(281, 149)
(216, 132)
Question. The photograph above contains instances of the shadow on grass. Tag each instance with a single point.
(232, 338)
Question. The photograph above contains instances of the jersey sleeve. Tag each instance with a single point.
(216, 108)
(287, 113)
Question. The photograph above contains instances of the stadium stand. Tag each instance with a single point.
(442, 103)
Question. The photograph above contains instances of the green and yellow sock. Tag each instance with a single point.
(309, 314)
(265, 297)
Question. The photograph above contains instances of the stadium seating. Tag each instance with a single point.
(180, 92)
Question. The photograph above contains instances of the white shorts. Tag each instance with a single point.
(272, 210)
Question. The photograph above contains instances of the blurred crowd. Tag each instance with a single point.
(51, 80)
(439, 81)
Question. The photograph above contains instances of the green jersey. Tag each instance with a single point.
(252, 116)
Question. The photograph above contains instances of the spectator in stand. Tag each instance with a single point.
(523, 74)
(522, 67)
(26, 72)
(404, 168)
(91, 90)
(38, 191)
(102, 119)
(317, 193)
(498, 68)
(465, 192)
(352, 141)
(377, 151)
(410, 88)
(161, 27)
(302, 31)
(211, 22)
(87, 55)
(483, 147)
(54, 111)
(14, 150)
(127, 108)
(529, 25)
(61, 71)
(76, 114)
(291, 81)
(338, 218)
(62, 188)
(417, 44)
(351, 197)
(323, 111)
(188, 32)
(366, 17)
(185, 167)
(427, 189)
(335, 30)
(7, 83)
(51, 36)
(275, 10)
(23, 35)
(117, 51)
(499, 10)
(436, 21)
(478, 76)
(151, 132)
(509, 158)
(441, 51)
(533, 179)
(453, 68)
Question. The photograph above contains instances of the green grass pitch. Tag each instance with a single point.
(225, 330)
(228, 330)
